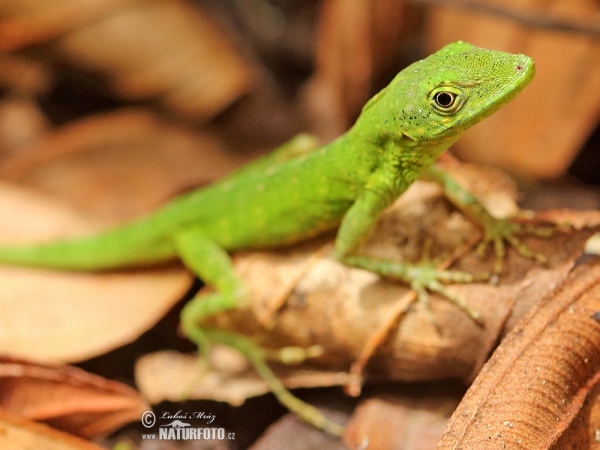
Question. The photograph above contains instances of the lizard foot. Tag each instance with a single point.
(425, 278)
(500, 233)
(422, 277)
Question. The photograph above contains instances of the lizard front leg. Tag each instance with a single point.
(422, 277)
(497, 232)
(213, 265)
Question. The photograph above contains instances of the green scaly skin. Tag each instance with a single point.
(299, 192)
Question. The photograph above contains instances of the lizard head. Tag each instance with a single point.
(438, 98)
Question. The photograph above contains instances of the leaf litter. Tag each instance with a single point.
(346, 310)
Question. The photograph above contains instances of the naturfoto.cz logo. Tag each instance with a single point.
(178, 429)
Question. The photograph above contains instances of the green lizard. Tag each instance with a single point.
(298, 193)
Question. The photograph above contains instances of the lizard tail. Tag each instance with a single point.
(122, 247)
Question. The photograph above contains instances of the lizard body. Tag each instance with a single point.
(394, 139)
(287, 198)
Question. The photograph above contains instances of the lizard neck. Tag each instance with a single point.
(395, 152)
(417, 156)
(391, 161)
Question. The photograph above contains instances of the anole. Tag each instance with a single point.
(300, 192)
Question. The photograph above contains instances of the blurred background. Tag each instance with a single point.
(174, 94)
(113, 107)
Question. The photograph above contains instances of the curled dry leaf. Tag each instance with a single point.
(64, 316)
(67, 398)
(161, 49)
(18, 433)
(537, 380)
(584, 431)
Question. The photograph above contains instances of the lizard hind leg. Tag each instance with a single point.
(214, 266)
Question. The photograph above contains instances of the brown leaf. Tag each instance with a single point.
(583, 431)
(67, 398)
(118, 165)
(549, 281)
(30, 22)
(64, 316)
(411, 419)
(537, 380)
(172, 376)
(185, 61)
(18, 433)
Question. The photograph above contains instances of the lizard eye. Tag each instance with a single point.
(446, 102)
(444, 99)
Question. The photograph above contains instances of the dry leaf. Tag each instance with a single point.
(64, 316)
(353, 313)
(173, 376)
(537, 135)
(584, 431)
(118, 165)
(537, 380)
(411, 419)
(67, 398)
(184, 61)
(17, 433)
